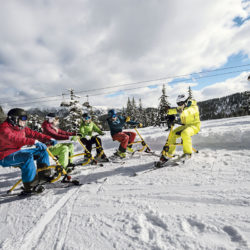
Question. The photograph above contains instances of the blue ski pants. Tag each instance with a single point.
(24, 159)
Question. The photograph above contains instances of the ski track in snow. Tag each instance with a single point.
(203, 204)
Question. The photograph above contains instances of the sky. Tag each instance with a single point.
(111, 50)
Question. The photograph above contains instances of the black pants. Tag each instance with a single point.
(93, 140)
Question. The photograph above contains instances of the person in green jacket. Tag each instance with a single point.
(86, 130)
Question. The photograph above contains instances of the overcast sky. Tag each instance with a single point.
(47, 47)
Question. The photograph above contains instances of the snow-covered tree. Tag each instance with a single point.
(35, 121)
(163, 105)
(72, 121)
(190, 93)
(129, 109)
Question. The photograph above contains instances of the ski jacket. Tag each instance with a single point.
(86, 129)
(117, 125)
(12, 138)
(56, 133)
(190, 115)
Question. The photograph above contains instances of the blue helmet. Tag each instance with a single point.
(112, 113)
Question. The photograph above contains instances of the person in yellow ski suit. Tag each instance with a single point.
(186, 114)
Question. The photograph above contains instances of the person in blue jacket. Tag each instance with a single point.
(116, 124)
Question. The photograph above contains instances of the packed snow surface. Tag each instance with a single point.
(203, 204)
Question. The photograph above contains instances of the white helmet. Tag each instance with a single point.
(181, 99)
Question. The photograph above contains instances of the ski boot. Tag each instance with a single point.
(102, 158)
(130, 150)
(164, 159)
(120, 154)
(32, 187)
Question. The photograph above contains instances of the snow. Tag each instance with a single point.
(203, 204)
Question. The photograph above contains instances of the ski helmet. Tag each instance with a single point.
(181, 99)
(16, 114)
(86, 116)
(112, 113)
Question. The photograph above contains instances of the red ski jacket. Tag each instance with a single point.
(12, 138)
(48, 129)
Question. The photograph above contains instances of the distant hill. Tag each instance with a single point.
(229, 106)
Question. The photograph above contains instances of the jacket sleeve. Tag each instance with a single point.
(8, 135)
(62, 132)
(36, 135)
(133, 123)
(48, 130)
(82, 130)
(96, 128)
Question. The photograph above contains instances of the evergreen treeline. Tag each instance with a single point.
(230, 106)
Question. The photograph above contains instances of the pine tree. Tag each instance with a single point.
(73, 120)
(190, 93)
(134, 109)
(163, 106)
(34, 122)
(140, 114)
(129, 109)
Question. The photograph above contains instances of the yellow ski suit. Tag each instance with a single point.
(190, 118)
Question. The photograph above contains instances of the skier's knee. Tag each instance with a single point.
(65, 149)
(71, 146)
(125, 138)
(184, 134)
(28, 156)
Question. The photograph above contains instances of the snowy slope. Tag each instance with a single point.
(204, 204)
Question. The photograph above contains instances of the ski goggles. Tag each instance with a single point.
(87, 118)
(23, 118)
(180, 103)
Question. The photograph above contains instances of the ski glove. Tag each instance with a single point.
(40, 146)
(53, 142)
(170, 120)
(140, 125)
(127, 119)
(73, 138)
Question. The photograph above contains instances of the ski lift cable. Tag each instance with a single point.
(165, 78)
(112, 92)
(139, 82)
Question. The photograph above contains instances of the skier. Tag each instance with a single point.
(14, 134)
(186, 114)
(61, 150)
(116, 124)
(86, 130)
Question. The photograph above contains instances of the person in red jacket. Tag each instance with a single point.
(61, 150)
(14, 134)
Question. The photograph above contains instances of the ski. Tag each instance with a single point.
(21, 194)
(158, 165)
(151, 153)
